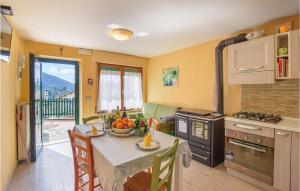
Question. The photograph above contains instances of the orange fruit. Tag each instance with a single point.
(125, 123)
(130, 124)
(125, 119)
(120, 125)
(119, 120)
(114, 124)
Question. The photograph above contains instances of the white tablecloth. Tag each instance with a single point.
(116, 158)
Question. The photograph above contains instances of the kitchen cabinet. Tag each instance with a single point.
(282, 160)
(295, 160)
(252, 62)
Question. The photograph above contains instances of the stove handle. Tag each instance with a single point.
(204, 158)
(248, 146)
(247, 127)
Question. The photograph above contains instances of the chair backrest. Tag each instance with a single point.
(82, 151)
(89, 119)
(163, 162)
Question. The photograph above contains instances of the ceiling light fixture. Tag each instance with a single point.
(121, 34)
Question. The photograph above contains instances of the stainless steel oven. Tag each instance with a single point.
(252, 154)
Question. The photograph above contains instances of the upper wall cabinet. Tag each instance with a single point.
(252, 62)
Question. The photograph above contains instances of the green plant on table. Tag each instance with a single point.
(141, 126)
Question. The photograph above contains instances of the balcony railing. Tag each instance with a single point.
(57, 108)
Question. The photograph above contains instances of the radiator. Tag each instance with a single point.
(23, 124)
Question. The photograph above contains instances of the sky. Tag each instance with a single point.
(63, 71)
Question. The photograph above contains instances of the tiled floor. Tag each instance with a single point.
(53, 171)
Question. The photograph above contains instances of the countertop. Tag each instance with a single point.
(288, 124)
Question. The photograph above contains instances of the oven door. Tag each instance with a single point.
(200, 131)
(182, 126)
(252, 156)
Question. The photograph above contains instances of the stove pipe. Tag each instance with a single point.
(219, 69)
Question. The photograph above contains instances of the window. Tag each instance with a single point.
(113, 80)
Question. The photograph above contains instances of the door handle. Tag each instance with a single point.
(247, 127)
(250, 69)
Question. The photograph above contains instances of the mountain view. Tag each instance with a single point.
(56, 87)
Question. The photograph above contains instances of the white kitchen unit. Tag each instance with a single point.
(252, 62)
(286, 136)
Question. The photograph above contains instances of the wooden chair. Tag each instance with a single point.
(88, 119)
(144, 181)
(83, 161)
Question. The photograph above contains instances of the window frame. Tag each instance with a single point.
(122, 69)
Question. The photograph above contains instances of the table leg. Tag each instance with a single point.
(178, 172)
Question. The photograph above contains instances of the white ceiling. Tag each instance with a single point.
(171, 24)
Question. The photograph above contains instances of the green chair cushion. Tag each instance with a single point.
(149, 110)
(164, 110)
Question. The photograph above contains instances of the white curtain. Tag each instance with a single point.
(109, 89)
(133, 93)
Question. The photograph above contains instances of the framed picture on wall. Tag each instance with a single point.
(170, 76)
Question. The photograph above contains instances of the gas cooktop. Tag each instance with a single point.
(257, 116)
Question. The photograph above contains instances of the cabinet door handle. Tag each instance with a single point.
(250, 69)
(282, 134)
(247, 127)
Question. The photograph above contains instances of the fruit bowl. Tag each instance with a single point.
(122, 126)
(122, 131)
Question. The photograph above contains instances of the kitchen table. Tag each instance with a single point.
(116, 158)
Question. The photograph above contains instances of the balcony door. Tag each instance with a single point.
(54, 101)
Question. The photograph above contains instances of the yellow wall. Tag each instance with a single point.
(10, 89)
(197, 75)
(87, 67)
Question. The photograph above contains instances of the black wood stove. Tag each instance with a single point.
(204, 132)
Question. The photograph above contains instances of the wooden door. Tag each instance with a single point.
(282, 160)
(295, 160)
